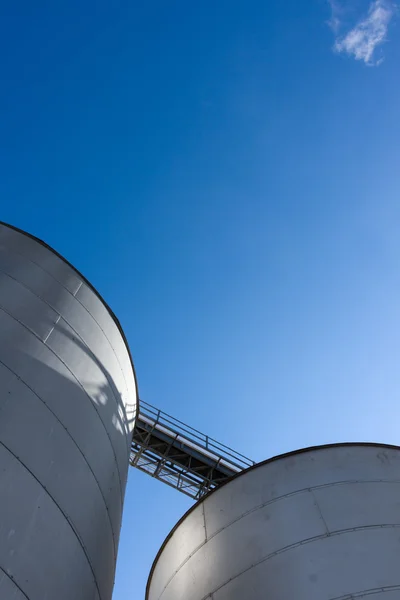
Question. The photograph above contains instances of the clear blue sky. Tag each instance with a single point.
(227, 174)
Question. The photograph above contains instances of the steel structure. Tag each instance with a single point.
(67, 385)
(319, 524)
(181, 456)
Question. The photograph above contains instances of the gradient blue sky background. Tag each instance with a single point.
(231, 184)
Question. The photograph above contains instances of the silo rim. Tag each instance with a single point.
(263, 462)
(91, 286)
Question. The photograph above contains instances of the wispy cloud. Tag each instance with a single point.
(370, 32)
(336, 10)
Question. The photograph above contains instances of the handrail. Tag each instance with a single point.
(180, 455)
(206, 441)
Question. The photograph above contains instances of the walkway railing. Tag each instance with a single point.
(180, 455)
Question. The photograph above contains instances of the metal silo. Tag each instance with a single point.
(67, 409)
(319, 524)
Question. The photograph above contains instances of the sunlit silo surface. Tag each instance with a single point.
(67, 408)
(320, 524)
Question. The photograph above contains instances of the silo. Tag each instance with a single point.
(67, 409)
(319, 524)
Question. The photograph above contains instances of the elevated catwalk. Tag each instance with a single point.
(181, 456)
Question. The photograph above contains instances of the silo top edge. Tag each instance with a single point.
(264, 462)
(87, 282)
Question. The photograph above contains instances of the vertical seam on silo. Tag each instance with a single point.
(73, 375)
(113, 349)
(74, 296)
(83, 342)
(74, 441)
(319, 511)
(77, 289)
(281, 551)
(79, 385)
(297, 545)
(14, 251)
(205, 524)
(11, 578)
(260, 506)
(52, 329)
(36, 295)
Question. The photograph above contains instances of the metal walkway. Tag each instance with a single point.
(181, 456)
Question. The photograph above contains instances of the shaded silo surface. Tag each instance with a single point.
(319, 524)
(67, 408)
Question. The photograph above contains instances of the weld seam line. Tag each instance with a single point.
(292, 546)
(12, 579)
(70, 523)
(92, 404)
(370, 592)
(319, 511)
(13, 251)
(205, 524)
(77, 289)
(52, 329)
(22, 284)
(74, 441)
(260, 506)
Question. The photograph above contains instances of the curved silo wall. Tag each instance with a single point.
(67, 408)
(320, 524)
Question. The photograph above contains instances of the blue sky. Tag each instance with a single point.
(228, 176)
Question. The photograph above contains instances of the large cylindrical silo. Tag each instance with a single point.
(67, 408)
(319, 524)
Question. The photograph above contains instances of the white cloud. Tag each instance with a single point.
(334, 21)
(369, 33)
